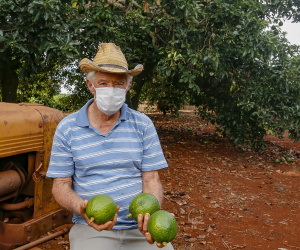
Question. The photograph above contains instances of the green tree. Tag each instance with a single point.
(229, 58)
(34, 38)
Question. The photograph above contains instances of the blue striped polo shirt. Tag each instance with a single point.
(111, 164)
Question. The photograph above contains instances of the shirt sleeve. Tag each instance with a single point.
(61, 160)
(153, 157)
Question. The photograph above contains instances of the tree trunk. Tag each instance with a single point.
(136, 90)
(9, 81)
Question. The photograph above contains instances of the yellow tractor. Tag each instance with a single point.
(27, 207)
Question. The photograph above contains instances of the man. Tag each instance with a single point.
(107, 148)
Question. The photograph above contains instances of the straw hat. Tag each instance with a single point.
(109, 58)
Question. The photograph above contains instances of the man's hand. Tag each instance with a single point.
(67, 198)
(143, 227)
(106, 226)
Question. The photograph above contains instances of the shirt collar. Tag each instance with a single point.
(124, 113)
(82, 118)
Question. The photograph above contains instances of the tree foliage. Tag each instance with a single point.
(34, 38)
(228, 58)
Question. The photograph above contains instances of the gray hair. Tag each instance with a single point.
(91, 77)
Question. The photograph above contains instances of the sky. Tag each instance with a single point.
(293, 32)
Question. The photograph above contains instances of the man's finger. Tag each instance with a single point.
(159, 245)
(103, 226)
(85, 202)
(140, 223)
(149, 238)
(83, 206)
(145, 225)
(118, 208)
(113, 221)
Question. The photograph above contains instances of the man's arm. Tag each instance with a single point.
(65, 196)
(68, 199)
(152, 185)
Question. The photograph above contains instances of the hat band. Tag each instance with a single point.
(113, 66)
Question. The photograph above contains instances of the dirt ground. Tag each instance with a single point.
(225, 197)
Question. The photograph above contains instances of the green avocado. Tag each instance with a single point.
(101, 209)
(162, 226)
(141, 204)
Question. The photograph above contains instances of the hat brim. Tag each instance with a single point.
(87, 66)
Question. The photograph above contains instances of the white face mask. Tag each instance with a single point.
(109, 100)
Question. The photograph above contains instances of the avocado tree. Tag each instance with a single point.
(228, 58)
(34, 37)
